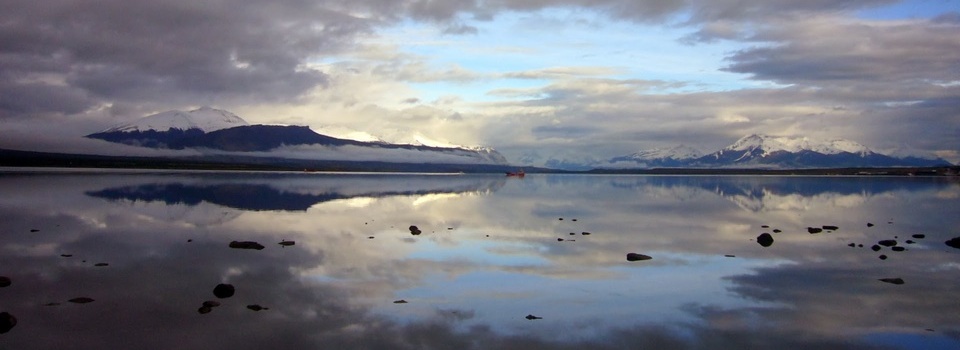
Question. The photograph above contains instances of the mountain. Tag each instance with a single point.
(211, 130)
(777, 152)
(677, 156)
(205, 119)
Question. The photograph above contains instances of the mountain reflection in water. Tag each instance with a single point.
(492, 251)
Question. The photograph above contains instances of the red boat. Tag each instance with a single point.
(519, 174)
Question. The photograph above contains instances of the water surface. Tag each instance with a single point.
(492, 251)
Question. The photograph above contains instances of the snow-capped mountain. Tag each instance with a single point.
(210, 130)
(206, 119)
(658, 157)
(765, 151)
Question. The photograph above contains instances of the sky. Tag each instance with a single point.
(564, 80)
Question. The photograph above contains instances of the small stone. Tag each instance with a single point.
(919, 236)
(286, 243)
(211, 303)
(882, 257)
(875, 248)
(830, 227)
(101, 264)
(776, 230)
(223, 291)
(909, 241)
(51, 304)
(585, 233)
(371, 237)
(559, 239)
(637, 257)
(532, 317)
(897, 280)
(256, 307)
(573, 233)
(852, 245)
(887, 243)
(898, 249)
(814, 230)
(859, 245)
(5, 281)
(730, 256)
(401, 301)
(764, 226)
(560, 219)
(189, 240)
(81, 300)
(246, 245)
(869, 224)
(34, 230)
(7, 322)
(204, 310)
(414, 230)
(66, 255)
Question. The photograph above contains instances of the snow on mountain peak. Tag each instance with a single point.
(679, 152)
(770, 144)
(205, 118)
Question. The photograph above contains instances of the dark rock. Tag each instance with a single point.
(559, 239)
(585, 233)
(909, 242)
(246, 245)
(414, 230)
(852, 245)
(882, 257)
(81, 300)
(637, 257)
(919, 236)
(875, 248)
(34, 230)
(730, 256)
(101, 264)
(5, 281)
(859, 245)
(7, 321)
(869, 224)
(897, 280)
(204, 310)
(887, 243)
(371, 237)
(286, 243)
(51, 304)
(66, 255)
(764, 226)
(532, 317)
(211, 303)
(223, 291)
(953, 242)
(830, 227)
(256, 307)
(765, 239)
(189, 240)
(776, 230)
(898, 249)
(561, 219)
(401, 301)
(573, 233)
(813, 230)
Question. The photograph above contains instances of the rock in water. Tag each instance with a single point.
(223, 291)
(532, 317)
(897, 280)
(953, 242)
(919, 236)
(813, 230)
(637, 257)
(246, 245)
(5, 281)
(875, 247)
(7, 321)
(831, 227)
(286, 243)
(401, 301)
(81, 300)
(765, 239)
(414, 230)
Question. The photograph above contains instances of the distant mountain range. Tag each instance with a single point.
(218, 130)
(776, 152)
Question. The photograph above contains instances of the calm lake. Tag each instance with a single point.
(150, 247)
